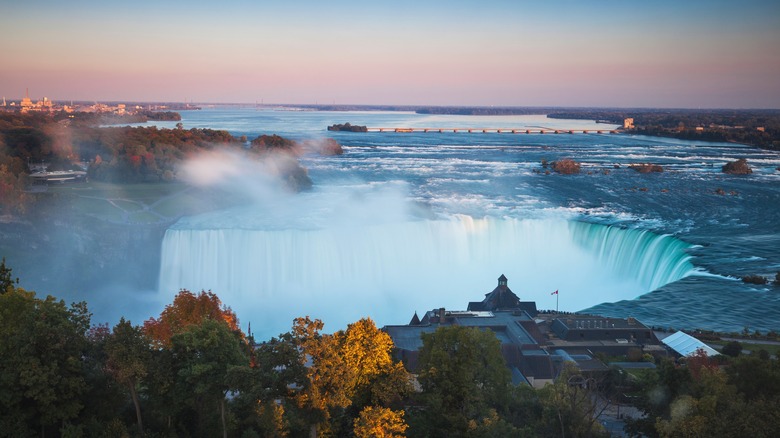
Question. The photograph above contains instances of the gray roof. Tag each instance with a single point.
(686, 345)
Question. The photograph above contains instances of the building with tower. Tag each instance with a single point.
(535, 345)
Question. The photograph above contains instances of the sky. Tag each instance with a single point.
(691, 54)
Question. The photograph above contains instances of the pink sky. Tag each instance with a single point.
(702, 54)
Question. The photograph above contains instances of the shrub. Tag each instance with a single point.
(732, 349)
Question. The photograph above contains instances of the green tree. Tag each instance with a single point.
(733, 349)
(572, 406)
(42, 345)
(463, 377)
(128, 355)
(204, 355)
(7, 282)
(277, 372)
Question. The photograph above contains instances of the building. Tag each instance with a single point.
(628, 123)
(686, 345)
(536, 346)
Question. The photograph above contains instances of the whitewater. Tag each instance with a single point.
(408, 222)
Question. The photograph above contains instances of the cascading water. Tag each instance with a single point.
(652, 259)
(388, 270)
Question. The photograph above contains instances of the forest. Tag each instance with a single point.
(193, 372)
(760, 128)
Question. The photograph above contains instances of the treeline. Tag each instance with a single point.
(193, 372)
(142, 116)
(741, 126)
(125, 154)
(144, 154)
(481, 110)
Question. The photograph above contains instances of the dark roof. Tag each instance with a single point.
(500, 298)
(415, 320)
(533, 329)
(539, 366)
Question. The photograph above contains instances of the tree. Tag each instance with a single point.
(188, 309)
(379, 423)
(13, 198)
(572, 406)
(42, 343)
(378, 380)
(128, 354)
(204, 356)
(7, 282)
(733, 349)
(329, 380)
(277, 372)
(463, 376)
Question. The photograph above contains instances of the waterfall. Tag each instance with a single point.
(652, 259)
(341, 273)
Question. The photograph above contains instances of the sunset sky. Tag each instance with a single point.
(512, 53)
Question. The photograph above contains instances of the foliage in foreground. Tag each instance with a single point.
(192, 372)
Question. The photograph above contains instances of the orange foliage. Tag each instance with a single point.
(188, 309)
(698, 361)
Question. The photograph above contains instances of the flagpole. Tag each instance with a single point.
(556, 301)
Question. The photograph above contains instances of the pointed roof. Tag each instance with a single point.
(415, 319)
(500, 298)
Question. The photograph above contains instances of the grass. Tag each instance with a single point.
(128, 206)
(138, 203)
(98, 207)
(772, 349)
(144, 217)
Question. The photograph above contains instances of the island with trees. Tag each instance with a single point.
(347, 127)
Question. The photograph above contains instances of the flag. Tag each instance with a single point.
(554, 293)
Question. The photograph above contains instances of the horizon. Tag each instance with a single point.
(382, 106)
(697, 55)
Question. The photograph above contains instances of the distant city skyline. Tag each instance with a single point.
(696, 54)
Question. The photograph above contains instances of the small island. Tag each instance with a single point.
(739, 167)
(347, 127)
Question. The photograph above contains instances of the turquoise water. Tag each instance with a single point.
(665, 248)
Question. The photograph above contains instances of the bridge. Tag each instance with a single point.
(497, 130)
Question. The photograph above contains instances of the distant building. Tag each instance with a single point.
(628, 123)
(686, 345)
(535, 345)
(26, 103)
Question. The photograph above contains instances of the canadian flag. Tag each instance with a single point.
(554, 293)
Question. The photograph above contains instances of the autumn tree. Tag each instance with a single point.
(329, 380)
(325, 379)
(380, 423)
(188, 309)
(367, 351)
